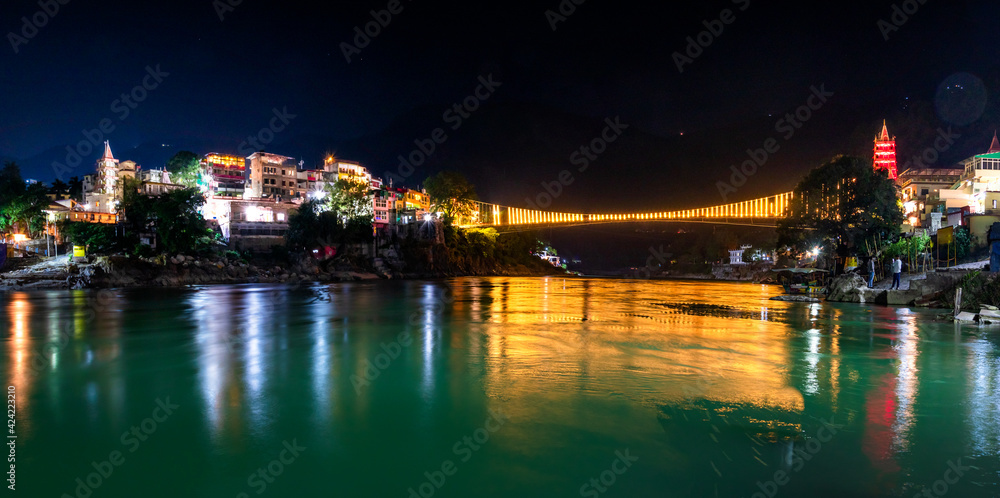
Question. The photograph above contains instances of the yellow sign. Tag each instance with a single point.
(945, 235)
(78, 252)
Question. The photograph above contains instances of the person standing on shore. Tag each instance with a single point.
(897, 270)
(871, 272)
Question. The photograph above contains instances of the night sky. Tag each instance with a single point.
(604, 60)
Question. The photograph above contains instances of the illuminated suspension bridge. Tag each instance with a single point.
(758, 212)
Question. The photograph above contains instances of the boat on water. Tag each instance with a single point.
(802, 281)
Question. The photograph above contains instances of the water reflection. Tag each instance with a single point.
(983, 387)
(713, 383)
(19, 309)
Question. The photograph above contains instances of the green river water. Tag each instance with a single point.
(493, 387)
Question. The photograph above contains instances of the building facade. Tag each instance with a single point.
(156, 181)
(885, 152)
(920, 191)
(223, 175)
(254, 225)
(272, 177)
(103, 192)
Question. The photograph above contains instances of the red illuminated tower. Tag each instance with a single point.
(885, 152)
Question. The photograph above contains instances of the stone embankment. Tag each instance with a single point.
(180, 270)
(852, 288)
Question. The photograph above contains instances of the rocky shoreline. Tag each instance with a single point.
(925, 292)
(180, 271)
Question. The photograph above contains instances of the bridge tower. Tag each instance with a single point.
(885, 152)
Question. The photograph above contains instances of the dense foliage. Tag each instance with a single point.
(978, 289)
(344, 216)
(351, 200)
(184, 168)
(452, 195)
(314, 225)
(96, 238)
(171, 217)
(476, 252)
(841, 204)
(21, 205)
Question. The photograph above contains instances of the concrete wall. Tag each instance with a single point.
(979, 226)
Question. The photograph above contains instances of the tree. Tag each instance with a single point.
(184, 168)
(352, 200)
(312, 225)
(178, 223)
(841, 204)
(11, 183)
(94, 237)
(21, 206)
(173, 216)
(58, 187)
(75, 187)
(452, 194)
(136, 209)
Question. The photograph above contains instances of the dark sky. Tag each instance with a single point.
(608, 58)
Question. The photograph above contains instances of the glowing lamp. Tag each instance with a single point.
(20, 237)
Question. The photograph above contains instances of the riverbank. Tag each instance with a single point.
(180, 271)
(921, 289)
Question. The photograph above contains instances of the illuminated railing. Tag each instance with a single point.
(486, 214)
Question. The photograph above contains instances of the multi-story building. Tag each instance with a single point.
(921, 191)
(224, 175)
(985, 165)
(346, 170)
(255, 225)
(312, 183)
(885, 152)
(156, 181)
(103, 191)
(272, 177)
(384, 201)
(981, 174)
(416, 200)
(88, 183)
